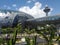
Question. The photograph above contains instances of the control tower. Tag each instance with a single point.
(46, 10)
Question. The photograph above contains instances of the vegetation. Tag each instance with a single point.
(48, 32)
(31, 41)
(12, 40)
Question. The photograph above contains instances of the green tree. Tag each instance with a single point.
(28, 39)
(12, 40)
(58, 39)
(48, 33)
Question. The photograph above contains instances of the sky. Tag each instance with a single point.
(33, 7)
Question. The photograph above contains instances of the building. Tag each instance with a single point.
(10, 18)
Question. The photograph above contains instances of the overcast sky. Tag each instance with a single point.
(32, 7)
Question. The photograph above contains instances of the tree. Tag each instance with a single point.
(58, 39)
(19, 28)
(28, 39)
(12, 40)
(48, 33)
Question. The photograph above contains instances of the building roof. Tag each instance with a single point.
(10, 16)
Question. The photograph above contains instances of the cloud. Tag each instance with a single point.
(1, 14)
(35, 11)
(29, 1)
(4, 15)
(6, 7)
(51, 9)
(14, 5)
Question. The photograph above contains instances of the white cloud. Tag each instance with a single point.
(35, 11)
(29, 1)
(51, 9)
(14, 5)
(3, 15)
